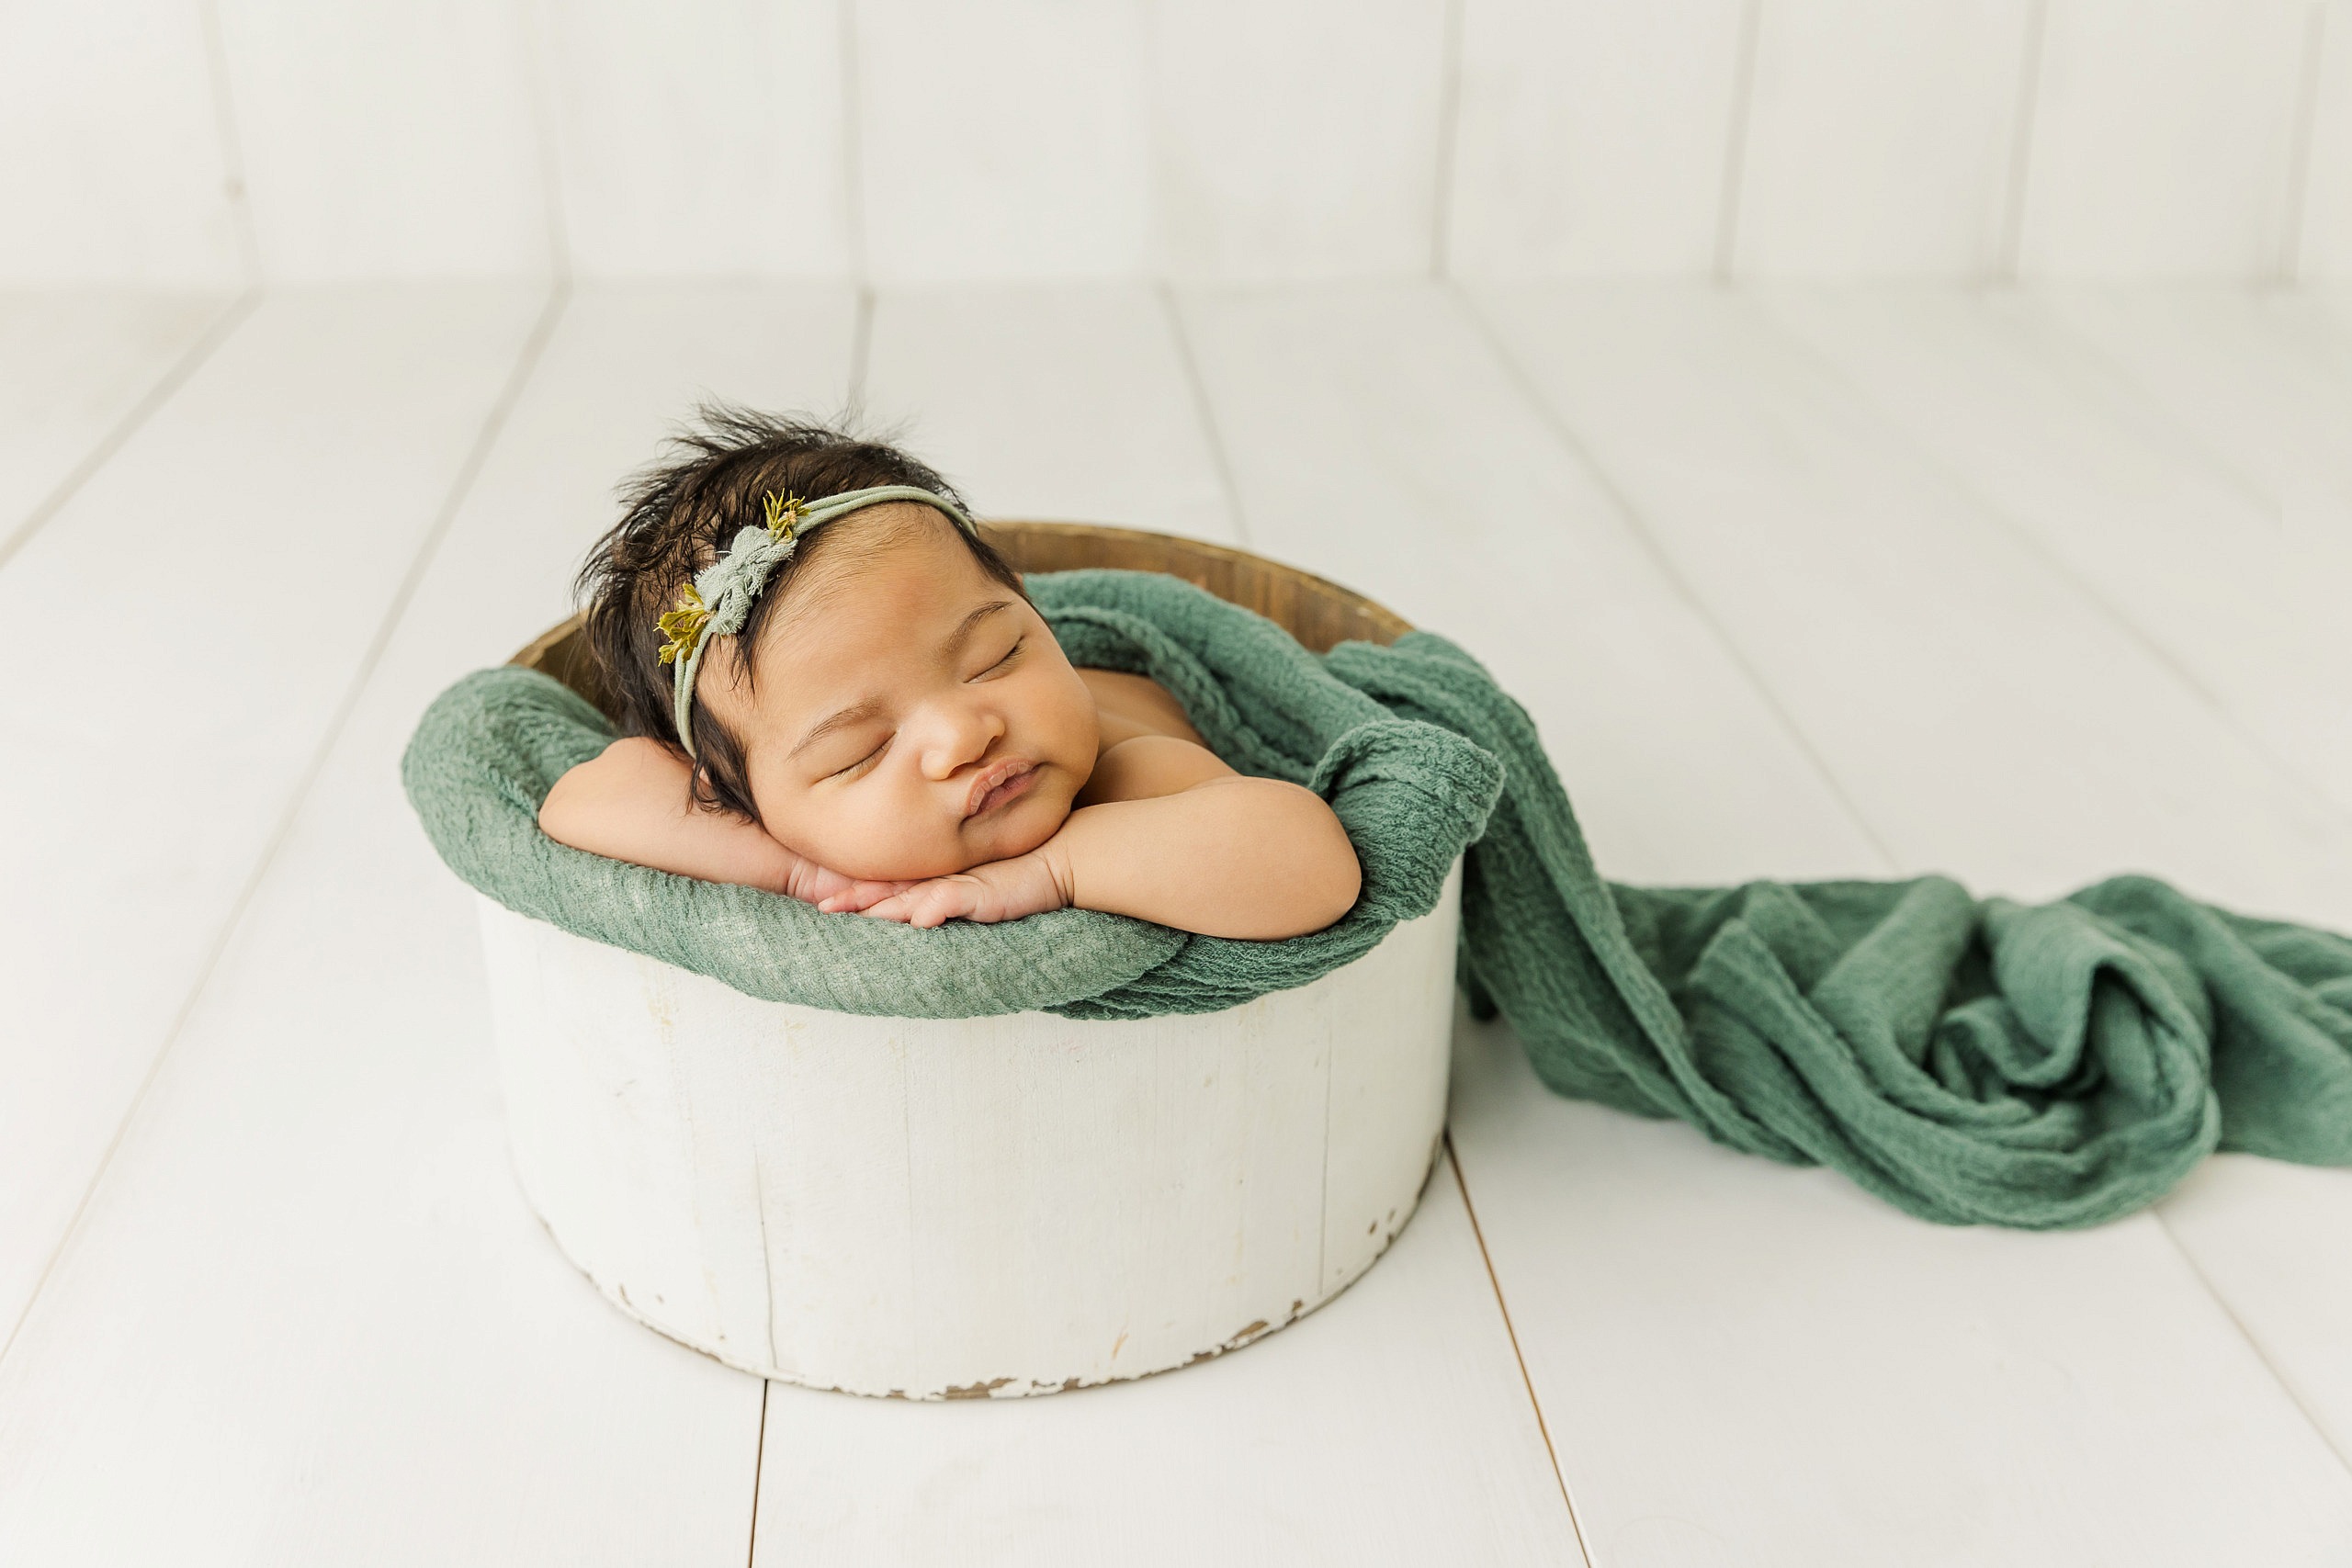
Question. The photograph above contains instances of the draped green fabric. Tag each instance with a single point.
(1970, 1061)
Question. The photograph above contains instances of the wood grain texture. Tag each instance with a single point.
(308, 1316)
(1880, 139)
(241, 627)
(1006, 391)
(1593, 137)
(1317, 612)
(2164, 139)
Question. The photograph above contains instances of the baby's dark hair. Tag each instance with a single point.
(678, 514)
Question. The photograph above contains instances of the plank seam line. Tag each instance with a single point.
(187, 364)
(1743, 109)
(1957, 483)
(1449, 133)
(232, 141)
(767, 1262)
(2299, 160)
(759, 1461)
(2031, 307)
(493, 423)
(1647, 540)
(1206, 412)
(539, 71)
(1323, 1187)
(2293, 1397)
(2021, 130)
(908, 1063)
(1462, 1184)
(861, 356)
(853, 143)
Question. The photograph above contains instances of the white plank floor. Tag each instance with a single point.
(77, 369)
(2027, 588)
(1745, 1439)
(230, 566)
(383, 1359)
(2193, 560)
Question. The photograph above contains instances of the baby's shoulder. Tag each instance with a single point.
(1128, 705)
(1148, 747)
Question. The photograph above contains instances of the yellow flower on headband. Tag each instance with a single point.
(683, 624)
(784, 512)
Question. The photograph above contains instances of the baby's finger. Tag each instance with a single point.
(926, 904)
(938, 905)
(902, 906)
(859, 896)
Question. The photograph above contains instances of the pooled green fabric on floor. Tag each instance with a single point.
(1967, 1060)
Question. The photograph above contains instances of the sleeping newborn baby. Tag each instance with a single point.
(832, 687)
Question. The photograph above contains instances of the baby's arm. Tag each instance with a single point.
(632, 802)
(1168, 834)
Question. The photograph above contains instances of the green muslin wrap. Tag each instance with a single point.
(1970, 1061)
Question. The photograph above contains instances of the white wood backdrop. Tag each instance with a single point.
(206, 143)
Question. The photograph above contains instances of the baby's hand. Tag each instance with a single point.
(832, 892)
(999, 890)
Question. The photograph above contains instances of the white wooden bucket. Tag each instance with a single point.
(948, 1209)
(943, 1209)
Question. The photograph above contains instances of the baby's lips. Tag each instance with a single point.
(995, 774)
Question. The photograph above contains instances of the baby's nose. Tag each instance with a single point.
(964, 736)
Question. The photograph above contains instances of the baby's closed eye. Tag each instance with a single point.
(865, 763)
(1004, 660)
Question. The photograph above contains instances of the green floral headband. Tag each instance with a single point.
(720, 599)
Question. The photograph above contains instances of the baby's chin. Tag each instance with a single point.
(1021, 828)
(1026, 825)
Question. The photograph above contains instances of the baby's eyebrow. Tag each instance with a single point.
(964, 628)
(856, 713)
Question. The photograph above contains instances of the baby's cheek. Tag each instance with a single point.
(800, 844)
(886, 843)
(809, 831)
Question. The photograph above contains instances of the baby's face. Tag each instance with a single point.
(911, 718)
